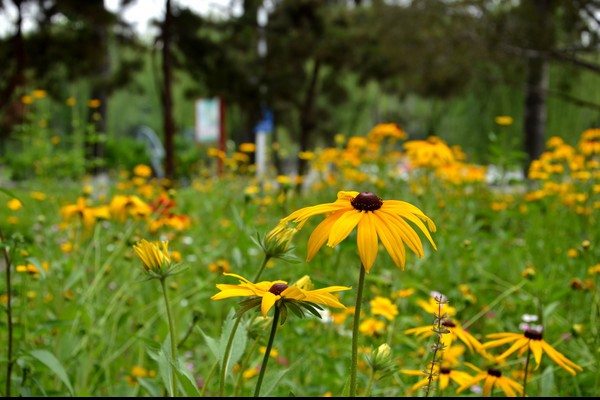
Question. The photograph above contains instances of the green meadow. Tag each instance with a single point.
(84, 314)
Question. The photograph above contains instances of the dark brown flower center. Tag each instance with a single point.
(449, 324)
(533, 334)
(366, 201)
(444, 371)
(277, 288)
(495, 372)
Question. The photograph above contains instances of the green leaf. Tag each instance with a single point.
(11, 194)
(238, 345)
(150, 387)
(49, 360)
(547, 387)
(188, 383)
(163, 359)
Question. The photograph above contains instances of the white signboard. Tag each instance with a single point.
(208, 120)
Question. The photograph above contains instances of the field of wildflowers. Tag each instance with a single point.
(393, 269)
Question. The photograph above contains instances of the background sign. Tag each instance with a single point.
(208, 120)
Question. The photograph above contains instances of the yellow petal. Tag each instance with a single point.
(320, 234)
(268, 301)
(343, 227)
(392, 244)
(367, 241)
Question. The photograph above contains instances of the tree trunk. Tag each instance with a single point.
(167, 96)
(539, 25)
(307, 118)
(97, 112)
(535, 109)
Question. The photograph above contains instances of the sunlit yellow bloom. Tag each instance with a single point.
(594, 270)
(402, 293)
(94, 103)
(455, 331)
(66, 247)
(492, 378)
(371, 327)
(247, 147)
(143, 170)
(377, 219)
(38, 196)
(383, 306)
(221, 265)
(271, 292)
(14, 204)
(503, 120)
(154, 255)
(250, 373)
(530, 340)
(391, 130)
(26, 99)
(70, 101)
(39, 94)
(88, 215)
(122, 206)
(430, 153)
(432, 306)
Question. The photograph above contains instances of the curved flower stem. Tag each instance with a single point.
(232, 335)
(263, 367)
(353, 365)
(525, 373)
(210, 374)
(226, 356)
(172, 335)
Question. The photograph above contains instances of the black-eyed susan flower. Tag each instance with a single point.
(383, 306)
(444, 375)
(532, 340)
(492, 378)
(375, 219)
(266, 294)
(454, 332)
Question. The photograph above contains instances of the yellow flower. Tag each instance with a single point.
(383, 306)
(70, 101)
(503, 120)
(371, 327)
(154, 255)
(142, 170)
(402, 293)
(492, 378)
(271, 292)
(14, 204)
(377, 219)
(247, 147)
(94, 103)
(530, 340)
(39, 94)
(432, 307)
(444, 375)
(38, 196)
(455, 331)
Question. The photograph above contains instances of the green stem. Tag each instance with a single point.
(243, 364)
(356, 323)
(232, 335)
(172, 335)
(263, 367)
(9, 315)
(370, 384)
(210, 374)
(525, 373)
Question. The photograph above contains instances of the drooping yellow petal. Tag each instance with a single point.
(560, 359)
(320, 234)
(407, 233)
(367, 241)
(233, 292)
(516, 346)
(536, 349)
(267, 303)
(488, 385)
(392, 244)
(343, 227)
(505, 386)
(307, 212)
